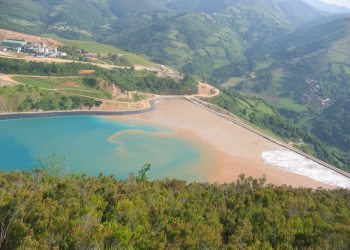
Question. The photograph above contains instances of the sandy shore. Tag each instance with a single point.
(230, 148)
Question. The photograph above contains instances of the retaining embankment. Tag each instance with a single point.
(41, 114)
(234, 119)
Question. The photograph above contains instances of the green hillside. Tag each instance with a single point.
(306, 74)
(282, 66)
(195, 36)
(103, 50)
(200, 37)
(44, 210)
(58, 81)
(93, 47)
(333, 125)
(307, 66)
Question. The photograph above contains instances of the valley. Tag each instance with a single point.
(174, 124)
(97, 94)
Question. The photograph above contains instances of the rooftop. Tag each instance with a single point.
(13, 41)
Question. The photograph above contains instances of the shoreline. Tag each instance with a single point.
(44, 114)
(235, 149)
(131, 114)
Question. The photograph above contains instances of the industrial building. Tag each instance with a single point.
(37, 49)
(15, 45)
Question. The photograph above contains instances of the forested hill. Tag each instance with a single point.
(320, 52)
(45, 211)
(196, 36)
(333, 125)
(304, 75)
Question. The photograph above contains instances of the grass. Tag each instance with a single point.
(98, 48)
(68, 85)
(261, 106)
(263, 65)
(277, 75)
(95, 94)
(11, 97)
(232, 82)
(138, 59)
(93, 47)
(289, 104)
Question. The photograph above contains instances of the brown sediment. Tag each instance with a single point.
(114, 137)
(228, 149)
(110, 105)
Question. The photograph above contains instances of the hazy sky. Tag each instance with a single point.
(345, 3)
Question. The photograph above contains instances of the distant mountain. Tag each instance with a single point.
(320, 52)
(306, 75)
(308, 65)
(196, 36)
(332, 8)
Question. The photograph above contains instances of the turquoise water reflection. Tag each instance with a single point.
(84, 141)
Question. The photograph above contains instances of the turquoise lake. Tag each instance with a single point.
(85, 143)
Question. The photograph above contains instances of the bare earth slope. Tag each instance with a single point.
(7, 34)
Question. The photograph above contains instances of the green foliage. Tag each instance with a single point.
(12, 66)
(333, 125)
(119, 57)
(26, 98)
(143, 172)
(49, 102)
(304, 69)
(52, 165)
(67, 85)
(92, 47)
(91, 82)
(197, 36)
(148, 82)
(80, 212)
(127, 79)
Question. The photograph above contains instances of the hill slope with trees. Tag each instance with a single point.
(195, 36)
(41, 209)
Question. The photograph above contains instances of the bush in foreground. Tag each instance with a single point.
(39, 211)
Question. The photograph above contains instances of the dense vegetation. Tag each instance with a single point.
(257, 47)
(196, 36)
(333, 125)
(43, 210)
(106, 53)
(13, 66)
(305, 76)
(27, 98)
(127, 79)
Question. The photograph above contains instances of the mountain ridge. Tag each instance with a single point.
(327, 7)
(193, 35)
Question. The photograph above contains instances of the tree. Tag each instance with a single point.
(143, 172)
(53, 165)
